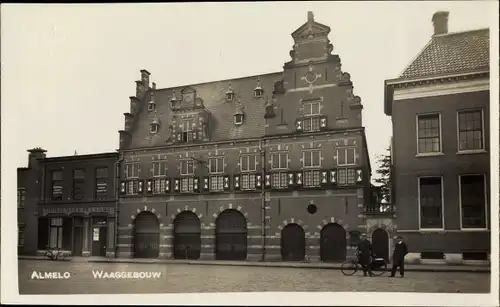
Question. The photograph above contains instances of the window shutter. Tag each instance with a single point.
(299, 125)
(258, 181)
(291, 179)
(359, 175)
(333, 177)
(236, 183)
(141, 186)
(227, 185)
(298, 178)
(196, 184)
(149, 186)
(177, 184)
(167, 185)
(123, 188)
(267, 181)
(324, 178)
(205, 184)
(323, 125)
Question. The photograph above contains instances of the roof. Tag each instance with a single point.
(445, 55)
(221, 111)
(107, 155)
(452, 53)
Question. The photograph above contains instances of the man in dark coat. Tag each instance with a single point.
(365, 255)
(398, 257)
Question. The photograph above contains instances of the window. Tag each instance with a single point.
(346, 156)
(248, 181)
(21, 197)
(311, 159)
(159, 186)
(279, 161)
(258, 91)
(78, 184)
(429, 133)
(55, 232)
(187, 167)
(312, 178)
(20, 235)
(57, 185)
(216, 183)
(229, 95)
(132, 170)
(473, 201)
(187, 130)
(151, 105)
(311, 112)
(431, 202)
(238, 119)
(216, 165)
(346, 176)
(133, 187)
(101, 182)
(311, 108)
(470, 130)
(187, 184)
(159, 169)
(279, 180)
(311, 124)
(248, 163)
(154, 128)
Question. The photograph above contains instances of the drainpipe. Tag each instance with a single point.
(117, 197)
(263, 200)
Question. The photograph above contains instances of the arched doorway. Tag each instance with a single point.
(293, 243)
(146, 236)
(187, 236)
(333, 243)
(231, 236)
(380, 243)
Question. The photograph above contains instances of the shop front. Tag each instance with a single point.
(80, 231)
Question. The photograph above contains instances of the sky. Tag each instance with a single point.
(68, 70)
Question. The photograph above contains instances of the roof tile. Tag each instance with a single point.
(452, 53)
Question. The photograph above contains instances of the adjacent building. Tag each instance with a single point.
(440, 114)
(67, 203)
(273, 166)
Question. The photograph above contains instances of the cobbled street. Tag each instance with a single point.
(179, 278)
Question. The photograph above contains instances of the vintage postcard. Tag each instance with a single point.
(282, 153)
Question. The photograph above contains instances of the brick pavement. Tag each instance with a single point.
(178, 278)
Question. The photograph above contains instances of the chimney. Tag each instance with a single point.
(34, 154)
(440, 22)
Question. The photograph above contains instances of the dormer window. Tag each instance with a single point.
(151, 106)
(238, 119)
(173, 100)
(229, 93)
(155, 125)
(258, 91)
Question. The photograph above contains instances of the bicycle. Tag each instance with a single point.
(350, 267)
(54, 253)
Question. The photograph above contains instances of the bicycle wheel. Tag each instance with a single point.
(49, 255)
(349, 267)
(380, 269)
(60, 256)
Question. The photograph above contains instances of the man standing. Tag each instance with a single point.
(398, 257)
(365, 253)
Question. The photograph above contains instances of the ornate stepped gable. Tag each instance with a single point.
(233, 109)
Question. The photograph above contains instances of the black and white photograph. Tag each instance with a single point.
(250, 153)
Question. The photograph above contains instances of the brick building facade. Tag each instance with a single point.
(441, 164)
(67, 203)
(270, 167)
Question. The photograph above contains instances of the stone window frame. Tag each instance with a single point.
(186, 164)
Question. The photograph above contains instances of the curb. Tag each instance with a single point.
(409, 268)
